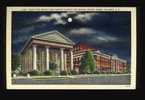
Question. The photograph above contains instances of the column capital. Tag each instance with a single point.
(47, 46)
(62, 48)
(34, 45)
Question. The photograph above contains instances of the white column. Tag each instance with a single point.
(65, 61)
(56, 58)
(62, 58)
(116, 65)
(47, 58)
(71, 55)
(34, 58)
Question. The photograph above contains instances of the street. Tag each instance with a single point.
(98, 80)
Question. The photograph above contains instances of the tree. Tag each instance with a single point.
(88, 64)
(15, 62)
(128, 69)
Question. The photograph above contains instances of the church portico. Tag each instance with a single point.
(45, 54)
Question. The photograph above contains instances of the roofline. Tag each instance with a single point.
(25, 45)
(44, 33)
(66, 37)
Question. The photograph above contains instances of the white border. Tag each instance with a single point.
(9, 85)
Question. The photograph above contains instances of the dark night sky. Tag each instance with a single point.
(107, 31)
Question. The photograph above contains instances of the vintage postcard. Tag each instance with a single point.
(71, 48)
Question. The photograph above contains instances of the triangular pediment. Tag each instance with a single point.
(53, 36)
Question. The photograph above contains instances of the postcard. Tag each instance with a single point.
(71, 48)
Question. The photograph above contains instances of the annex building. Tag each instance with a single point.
(104, 62)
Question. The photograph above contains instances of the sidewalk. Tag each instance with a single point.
(68, 76)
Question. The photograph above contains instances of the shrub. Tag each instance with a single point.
(21, 73)
(74, 72)
(63, 73)
(96, 72)
(69, 73)
(34, 72)
(13, 73)
(118, 72)
(48, 72)
(103, 72)
(113, 72)
(24, 74)
(107, 72)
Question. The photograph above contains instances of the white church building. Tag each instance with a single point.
(41, 49)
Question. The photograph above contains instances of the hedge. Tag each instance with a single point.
(48, 72)
(34, 72)
(63, 73)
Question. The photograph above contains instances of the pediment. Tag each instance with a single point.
(53, 36)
